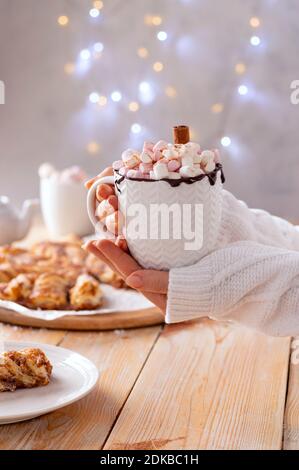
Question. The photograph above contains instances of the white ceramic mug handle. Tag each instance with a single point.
(92, 195)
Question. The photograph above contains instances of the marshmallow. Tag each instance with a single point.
(117, 165)
(188, 171)
(148, 146)
(187, 160)
(157, 155)
(130, 158)
(123, 171)
(210, 166)
(193, 146)
(206, 156)
(145, 157)
(161, 145)
(73, 174)
(197, 158)
(173, 175)
(170, 154)
(114, 222)
(134, 174)
(46, 170)
(173, 165)
(198, 169)
(160, 171)
(145, 167)
(104, 209)
(132, 162)
(179, 148)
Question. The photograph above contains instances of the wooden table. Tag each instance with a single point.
(198, 385)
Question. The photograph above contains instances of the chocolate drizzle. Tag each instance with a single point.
(212, 176)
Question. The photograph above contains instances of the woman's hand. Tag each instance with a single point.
(152, 284)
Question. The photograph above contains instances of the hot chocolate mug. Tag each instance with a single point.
(168, 223)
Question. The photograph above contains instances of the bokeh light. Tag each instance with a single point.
(162, 35)
(158, 66)
(63, 20)
(133, 106)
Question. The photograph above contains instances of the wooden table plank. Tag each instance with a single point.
(291, 418)
(207, 385)
(120, 356)
(39, 335)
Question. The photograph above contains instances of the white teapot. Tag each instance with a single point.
(15, 224)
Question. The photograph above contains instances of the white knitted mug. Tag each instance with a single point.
(166, 226)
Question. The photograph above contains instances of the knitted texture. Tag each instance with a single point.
(166, 252)
(252, 278)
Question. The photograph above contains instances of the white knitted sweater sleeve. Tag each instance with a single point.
(252, 278)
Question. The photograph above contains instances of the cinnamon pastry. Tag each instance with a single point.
(49, 292)
(7, 272)
(3, 293)
(27, 368)
(20, 287)
(49, 273)
(86, 293)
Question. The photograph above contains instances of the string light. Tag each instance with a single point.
(116, 96)
(226, 141)
(102, 100)
(98, 47)
(98, 4)
(147, 90)
(142, 52)
(162, 35)
(63, 20)
(151, 20)
(94, 12)
(133, 106)
(156, 20)
(254, 22)
(146, 93)
(148, 20)
(136, 128)
(255, 41)
(170, 91)
(93, 148)
(158, 66)
(69, 68)
(85, 54)
(94, 97)
(242, 90)
(217, 108)
(240, 68)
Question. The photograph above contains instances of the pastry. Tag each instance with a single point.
(44, 275)
(7, 272)
(20, 287)
(49, 292)
(86, 293)
(27, 368)
(3, 292)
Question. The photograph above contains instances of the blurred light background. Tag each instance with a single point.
(85, 79)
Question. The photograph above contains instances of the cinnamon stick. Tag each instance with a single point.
(181, 134)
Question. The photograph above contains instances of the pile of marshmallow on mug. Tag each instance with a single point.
(74, 174)
(164, 160)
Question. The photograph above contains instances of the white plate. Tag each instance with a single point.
(72, 378)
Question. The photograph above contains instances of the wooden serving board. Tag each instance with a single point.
(109, 321)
